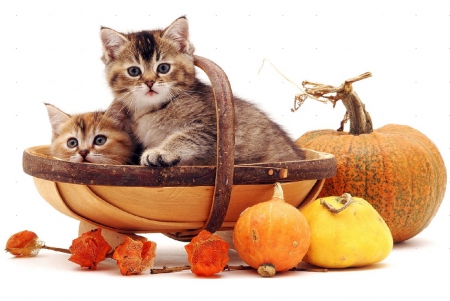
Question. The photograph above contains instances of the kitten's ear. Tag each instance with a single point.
(112, 42)
(57, 118)
(178, 32)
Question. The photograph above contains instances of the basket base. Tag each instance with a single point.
(110, 209)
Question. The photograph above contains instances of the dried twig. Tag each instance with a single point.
(299, 98)
(56, 249)
(169, 270)
(227, 268)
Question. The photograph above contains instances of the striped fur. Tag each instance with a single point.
(152, 76)
(94, 137)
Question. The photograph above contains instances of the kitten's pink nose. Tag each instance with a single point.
(84, 153)
(149, 83)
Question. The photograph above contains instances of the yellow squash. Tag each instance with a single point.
(345, 232)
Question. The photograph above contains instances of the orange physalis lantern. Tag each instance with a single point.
(24, 243)
(89, 249)
(207, 254)
(135, 256)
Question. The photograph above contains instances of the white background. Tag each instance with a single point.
(50, 52)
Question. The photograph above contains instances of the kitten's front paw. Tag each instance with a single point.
(157, 157)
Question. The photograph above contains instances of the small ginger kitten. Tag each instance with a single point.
(94, 137)
(152, 76)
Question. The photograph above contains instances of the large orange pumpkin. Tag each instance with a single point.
(395, 168)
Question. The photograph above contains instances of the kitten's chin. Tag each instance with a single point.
(78, 160)
(150, 101)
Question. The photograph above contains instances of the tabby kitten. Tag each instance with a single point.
(152, 75)
(95, 137)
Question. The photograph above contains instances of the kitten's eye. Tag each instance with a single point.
(163, 68)
(134, 71)
(72, 142)
(99, 140)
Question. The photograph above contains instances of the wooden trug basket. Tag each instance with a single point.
(179, 201)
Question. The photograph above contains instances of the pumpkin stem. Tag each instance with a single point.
(360, 121)
(278, 192)
(345, 199)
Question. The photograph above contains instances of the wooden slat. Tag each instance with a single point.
(38, 164)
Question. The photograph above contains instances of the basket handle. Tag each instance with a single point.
(223, 97)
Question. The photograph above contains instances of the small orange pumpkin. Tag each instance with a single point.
(272, 236)
(395, 168)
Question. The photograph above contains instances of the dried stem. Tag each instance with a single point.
(343, 122)
(227, 268)
(56, 249)
(169, 270)
(299, 98)
(279, 72)
(360, 121)
(345, 199)
(278, 192)
(67, 251)
(237, 267)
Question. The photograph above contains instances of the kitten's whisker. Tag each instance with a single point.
(182, 92)
(189, 93)
(103, 159)
(106, 159)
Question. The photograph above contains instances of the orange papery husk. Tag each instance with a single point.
(207, 254)
(135, 256)
(89, 249)
(24, 244)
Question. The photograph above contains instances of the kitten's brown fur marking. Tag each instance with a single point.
(94, 137)
(152, 76)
